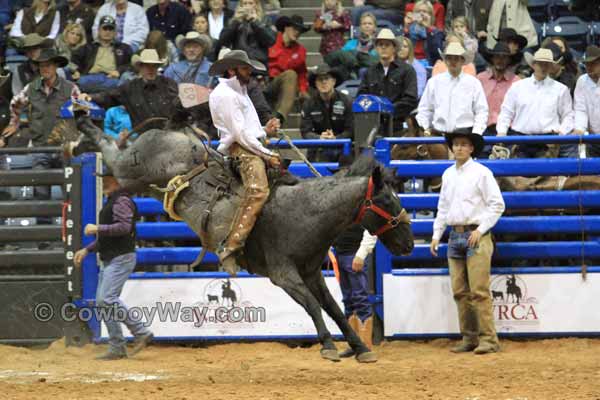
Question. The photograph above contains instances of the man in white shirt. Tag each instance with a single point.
(471, 203)
(537, 105)
(239, 128)
(453, 100)
(587, 99)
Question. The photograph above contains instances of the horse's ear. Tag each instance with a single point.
(377, 176)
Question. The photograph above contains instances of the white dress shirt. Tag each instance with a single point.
(470, 196)
(450, 103)
(587, 105)
(235, 117)
(536, 107)
(215, 25)
(16, 31)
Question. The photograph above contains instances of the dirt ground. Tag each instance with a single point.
(544, 369)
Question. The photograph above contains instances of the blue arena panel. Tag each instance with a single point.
(164, 230)
(522, 250)
(172, 255)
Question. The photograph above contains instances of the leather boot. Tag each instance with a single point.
(365, 332)
(353, 321)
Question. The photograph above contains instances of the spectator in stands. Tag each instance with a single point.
(471, 203)
(332, 21)
(41, 100)
(587, 99)
(565, 70)
(149, 96)
(475, 11)
(101, 64)
(31, 44)
(77, 12)
(386, 10)
(200, 25)
(359, 53)
(248, 30)
(419, 26)
(165, 48)
(70, 40)
(407, 54)
(391, 78)
(287, 65)
(217, 17)
(438, 12)
(461, 29)
(327, 114)
(510, 14)
(171, 18)
(41, 18)
(536, 105)
(194, 67)
(496, 81)
(115, 242)
(132, 24)
(453, 100)
(468, 66)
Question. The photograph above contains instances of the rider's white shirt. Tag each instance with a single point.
(235, 117)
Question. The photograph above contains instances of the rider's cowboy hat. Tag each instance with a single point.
(475, 138)
(500, 49)
(235, 58)
(52, 56)
(193, 37)
(147, 56)
(592, 53)
(324, 69)
(295, 20)
(387, 34)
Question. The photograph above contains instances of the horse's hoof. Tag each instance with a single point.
(330, 354)
(367, 357)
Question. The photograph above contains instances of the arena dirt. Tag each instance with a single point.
(545, 369)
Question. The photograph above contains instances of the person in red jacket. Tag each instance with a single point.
(287, 65)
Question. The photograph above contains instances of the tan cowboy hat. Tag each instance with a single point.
(387, 34)
(193, 36)
(147, 56)
(542, 55)
(234, 58)
(454, 49)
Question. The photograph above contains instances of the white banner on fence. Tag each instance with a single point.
(220, 308)
(522, 303)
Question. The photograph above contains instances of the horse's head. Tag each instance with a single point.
(381, 212)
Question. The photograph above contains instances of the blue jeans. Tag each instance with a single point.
(458, 247)
(111, 279)
(354, 285)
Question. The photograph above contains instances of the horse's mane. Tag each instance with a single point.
(363, 166)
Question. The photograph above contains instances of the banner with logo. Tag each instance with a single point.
(219, 308)
(522, 304)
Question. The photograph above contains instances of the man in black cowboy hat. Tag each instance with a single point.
(471, 204)
(30, 45)
(327, 114)
(516, 43)
(496, 81)
(587, 100)
(287, 65)
(239, 128)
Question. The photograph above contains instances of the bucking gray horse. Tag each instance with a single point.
(297, 225)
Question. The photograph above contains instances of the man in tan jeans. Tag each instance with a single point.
(471, 203)
(239, 128)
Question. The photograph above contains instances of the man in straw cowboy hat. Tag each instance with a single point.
(537, 105)
(391, 78)
(453, 100)
(239, 128)
(149, 96)
(587, 99)
(496, 81)
(471, 204)
(194, 68)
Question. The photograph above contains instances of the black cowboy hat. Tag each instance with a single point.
(475, 138)
(510, 35)
(501, 49)
(234, 58)
(592, 53)
(324, 69)
(53, 56)
(295, 20)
